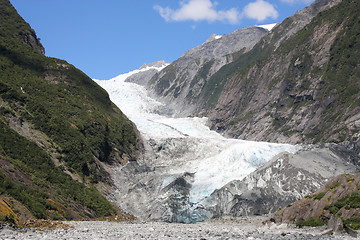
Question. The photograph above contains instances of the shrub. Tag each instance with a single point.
(319, 196)
(353, 223)
(311, 222)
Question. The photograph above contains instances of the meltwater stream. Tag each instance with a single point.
(185, 160)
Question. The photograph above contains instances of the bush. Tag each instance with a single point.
(353, 223)
(319, 196)
(311, 222)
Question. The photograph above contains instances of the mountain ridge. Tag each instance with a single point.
(292, 111)
(186, 76)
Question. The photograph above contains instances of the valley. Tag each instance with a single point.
(258, 128)
(184, 161)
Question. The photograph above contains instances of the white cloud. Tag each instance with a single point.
(198, 10)
(297, 1)
(204, 10)
(260, 10)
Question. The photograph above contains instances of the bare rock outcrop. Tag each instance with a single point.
(334, 203)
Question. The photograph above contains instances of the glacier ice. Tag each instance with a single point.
(187, 145)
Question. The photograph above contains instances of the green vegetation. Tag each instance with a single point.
(311, 222)
(348, 202)
(350, 179)
(319, 196)
(62, 102)
(353, 223)
(76, 115)
(31, 159)
(336, 185)
(343, 202)
(201, 75)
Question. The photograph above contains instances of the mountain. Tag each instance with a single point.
(298, 84)
(301, 87)
(183, 79)
(143, 75)
(189, 174)
(59, 132)
(64, 143)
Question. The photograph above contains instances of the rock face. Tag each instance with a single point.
(31, 39)
(285, 179)
(186, 77)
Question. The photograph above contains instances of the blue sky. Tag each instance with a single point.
(105, 38)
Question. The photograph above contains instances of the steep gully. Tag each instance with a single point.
(183, 162)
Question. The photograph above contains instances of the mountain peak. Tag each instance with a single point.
(267, 26)
(157, 64)
(213, 37)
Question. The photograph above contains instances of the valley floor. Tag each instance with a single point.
(241, 228)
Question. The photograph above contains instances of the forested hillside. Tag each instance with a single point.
(58, 131)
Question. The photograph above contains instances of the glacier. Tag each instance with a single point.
(185, 161)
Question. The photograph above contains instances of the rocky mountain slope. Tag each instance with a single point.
(184, 79)
(307, 88)
(299, 83)
(336, 201)
(58, 132)
(146, 72)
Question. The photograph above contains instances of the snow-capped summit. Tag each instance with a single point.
(214, 37)
(268, 27)
(143, 74)
(159, 64)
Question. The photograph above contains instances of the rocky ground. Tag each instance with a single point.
(240, 228)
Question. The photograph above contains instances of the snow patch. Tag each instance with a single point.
(268, 27)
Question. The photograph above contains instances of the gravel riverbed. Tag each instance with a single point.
(239, 229)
